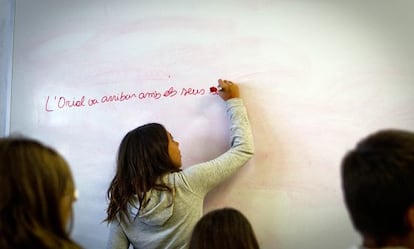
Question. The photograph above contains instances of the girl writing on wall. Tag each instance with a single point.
(155, 204)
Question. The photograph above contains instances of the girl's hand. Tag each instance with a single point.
(228, 90)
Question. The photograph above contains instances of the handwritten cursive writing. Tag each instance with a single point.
(53, 103)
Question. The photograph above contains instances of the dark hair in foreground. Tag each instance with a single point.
(36, 185)
(378, 184)
(225, 228)
(142, 159)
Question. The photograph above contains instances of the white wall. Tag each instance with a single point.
(6, 47)
(316, 76)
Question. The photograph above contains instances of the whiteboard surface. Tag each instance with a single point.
(316, 76)
(6, 46)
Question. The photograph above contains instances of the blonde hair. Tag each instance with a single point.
(34, 179)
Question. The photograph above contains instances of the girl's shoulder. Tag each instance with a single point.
(177, 180)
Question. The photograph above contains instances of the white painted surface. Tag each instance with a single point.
(316, 76)
(6, 50)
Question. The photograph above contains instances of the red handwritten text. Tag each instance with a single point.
(118, 97)
(171, 92)
(192, 91)
(62, 102)
(53, 103)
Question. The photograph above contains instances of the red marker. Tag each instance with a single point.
(215, 90)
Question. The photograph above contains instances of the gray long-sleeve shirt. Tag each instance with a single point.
(167, 220)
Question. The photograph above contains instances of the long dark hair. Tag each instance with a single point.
(225, 228)
(142, 159)
(34, 179)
